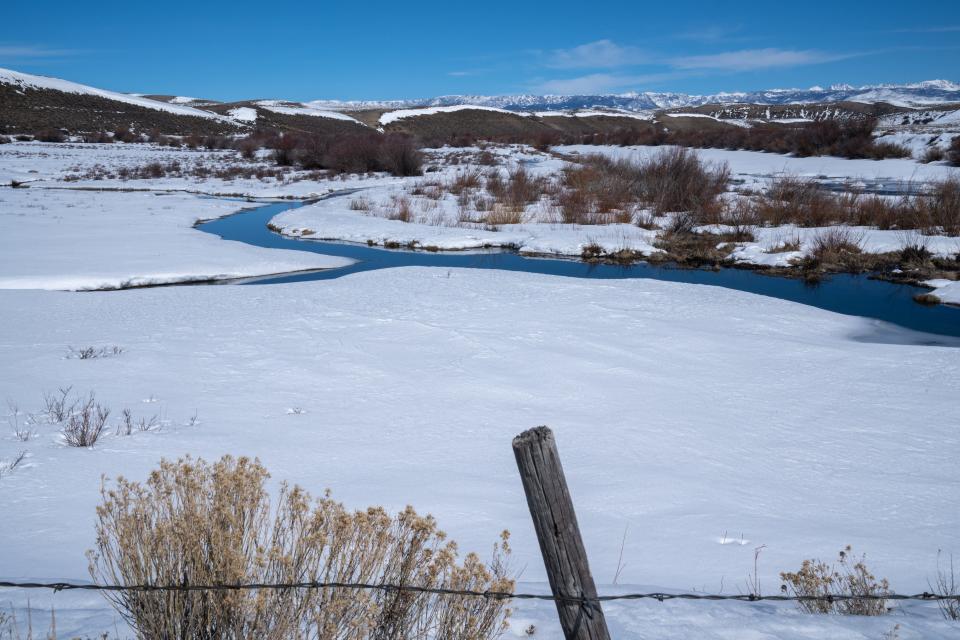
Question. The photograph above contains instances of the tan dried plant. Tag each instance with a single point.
(195, 523)
(849, 576)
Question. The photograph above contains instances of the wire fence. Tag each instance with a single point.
(490, 595)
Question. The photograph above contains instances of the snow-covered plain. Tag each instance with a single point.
(688, 415)
(695, 423)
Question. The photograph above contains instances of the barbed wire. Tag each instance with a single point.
(491, 595)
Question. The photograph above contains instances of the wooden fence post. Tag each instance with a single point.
(559, 535)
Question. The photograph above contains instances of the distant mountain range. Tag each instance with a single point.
(904, 95)
(31, 103)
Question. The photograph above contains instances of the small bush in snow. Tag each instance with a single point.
(849, 576)
(946, 586)
(85, 425)
(953, 153)
(198, 523)
(934, 153)
(92, 353)
(50, 135)
(58, 405)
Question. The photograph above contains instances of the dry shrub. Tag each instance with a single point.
(399, 156)
(50, 135)
(940, 207)
(831, 243)
(953, 153)
(360, 204)
(196, 523)
(85, 424)
(465, 180)
(791, 200)
(500, 215)
(934, 153)
(518, 190)
(601, 190)
(400, 209)
(945, 585)
(850, 576)
(677, 180)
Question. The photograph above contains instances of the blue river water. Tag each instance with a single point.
(848, 294)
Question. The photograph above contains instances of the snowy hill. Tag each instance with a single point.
(24, 81)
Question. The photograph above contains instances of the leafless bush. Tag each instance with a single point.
(849, 576)
(946, 586)
(58, 406)
(85, 425)
(99, 137)
(519, 189)
(198, 523)
(941, 206)
(791, 200)
(953, 153)
(599, 191)
(399, 156)
(129, 424)
(469, 179)
(92, 353)
(677, 180)
(50, 135)
(23, 432)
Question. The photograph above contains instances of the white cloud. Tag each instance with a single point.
(602, 54)
(751, 59)
(25, 52)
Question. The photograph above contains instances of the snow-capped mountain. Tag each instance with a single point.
(915, 94)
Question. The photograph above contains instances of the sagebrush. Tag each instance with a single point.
(849, 576)
(197, 523)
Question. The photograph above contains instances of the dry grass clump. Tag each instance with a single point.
(400, 209)
(359, 204)
(850, 576)
(197, 523)
(934, 153)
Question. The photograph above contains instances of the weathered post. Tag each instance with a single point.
(559, 535)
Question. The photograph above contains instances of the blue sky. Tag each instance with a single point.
(371, 49)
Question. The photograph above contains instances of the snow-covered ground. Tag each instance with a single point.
(58, 239)
(705, 422)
